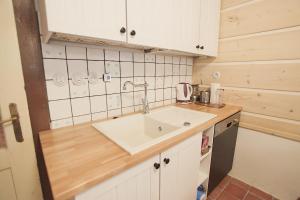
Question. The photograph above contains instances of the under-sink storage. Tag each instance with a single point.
(170, 175)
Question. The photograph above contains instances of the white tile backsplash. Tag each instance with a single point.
(97, 88)
(114, 113)
(150, 58)
(113, 68)
(113, 86)
(79, 94)
(53, 51)
(60, 109)
(182, 71)
(126, 69)
(57, 92)
(81, 90)
(80, 106)
(176, 60)
(61, 123)
(98, 104)
(76, 52)
(189, 70)
(159, 95)
(149, 69)
(139, 69)
(55, 66)
(160, 69)
(160, 59)
(82, 119)
(112, 55)
(168, 59)
(113, 101)
(138, 80)
(168, 82)
(99, 116)
(77, 68)
(159, 82)
(168, 69)
(95, 54)
(175, 70)
(126, 56)
(151, 82)
(127, 110)
(138, 57)
(127, 99)
(96, 67)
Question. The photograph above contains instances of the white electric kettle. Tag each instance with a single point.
(183, 92)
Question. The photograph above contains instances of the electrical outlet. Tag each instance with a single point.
(216, 75)
(107, 77)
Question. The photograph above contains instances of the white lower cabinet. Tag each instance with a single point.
(179, 176)
(171, 175)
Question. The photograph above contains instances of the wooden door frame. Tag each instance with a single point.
(35, 86)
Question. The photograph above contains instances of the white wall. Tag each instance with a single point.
(269, 163)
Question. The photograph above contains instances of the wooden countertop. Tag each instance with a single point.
(80, 157)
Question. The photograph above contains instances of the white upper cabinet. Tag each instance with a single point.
(190, 26)
(186, 25)
(149, 22)
(101, 19)
(209, 26)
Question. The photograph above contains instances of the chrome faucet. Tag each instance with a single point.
(145, 99)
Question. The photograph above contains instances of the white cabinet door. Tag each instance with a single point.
(151, 21)
(139, 182)
(186, 28)
(168, 24)
(179, 177)
(209, 27)
(101, 19)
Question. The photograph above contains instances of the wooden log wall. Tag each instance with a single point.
(259, 62)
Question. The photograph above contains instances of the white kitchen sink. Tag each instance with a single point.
(138, 132)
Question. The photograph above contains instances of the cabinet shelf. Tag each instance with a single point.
(205, 155)
(202, 177)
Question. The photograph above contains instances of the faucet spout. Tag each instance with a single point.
(145, 99)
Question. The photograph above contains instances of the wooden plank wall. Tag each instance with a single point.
(259, 62)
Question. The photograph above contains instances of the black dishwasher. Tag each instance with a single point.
(223, 150)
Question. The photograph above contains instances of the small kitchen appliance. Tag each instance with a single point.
(183, 92)
(196, 93)
(204, 96)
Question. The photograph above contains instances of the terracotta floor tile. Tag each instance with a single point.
(250, 196)
(226, 196)
(215, 193)
(235, 191)
(224, 182)
(260, 193)
(239, 183)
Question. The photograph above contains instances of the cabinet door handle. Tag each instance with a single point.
(132, 33)
(199, 47)
(123, 30)
(167, 160)
(156, 165)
